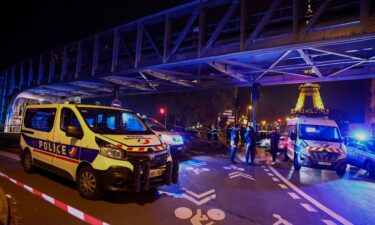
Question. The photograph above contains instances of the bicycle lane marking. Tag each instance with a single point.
(311, 199)
(63, 206)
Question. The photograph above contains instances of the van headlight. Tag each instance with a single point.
(172, 139)
(110, 150)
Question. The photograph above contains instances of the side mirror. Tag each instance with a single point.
(293, 136)
(75, 132)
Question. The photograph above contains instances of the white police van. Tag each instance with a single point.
(101, 148)
(316, 143)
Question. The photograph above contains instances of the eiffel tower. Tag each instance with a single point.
(310, 90)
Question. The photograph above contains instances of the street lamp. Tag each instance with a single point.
(249, 108)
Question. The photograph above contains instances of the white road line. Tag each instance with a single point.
(270, 174)
(267, 170)
(294, 195)
(10, 155)
(283, 186)
(312, 200)
(329, 222)
(308, 207)
(275, 179)
(200, 195)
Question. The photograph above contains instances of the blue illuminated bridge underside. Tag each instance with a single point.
(208, 44)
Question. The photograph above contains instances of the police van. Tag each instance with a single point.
(101, 148)
(316, 143)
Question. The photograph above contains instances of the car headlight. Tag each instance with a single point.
(110, 150)
(172, 139)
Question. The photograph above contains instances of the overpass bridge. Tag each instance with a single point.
(203, 44)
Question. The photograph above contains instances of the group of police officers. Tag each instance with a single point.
(248, 138)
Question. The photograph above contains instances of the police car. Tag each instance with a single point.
(101, 148)
(362, 156)
(173, 141)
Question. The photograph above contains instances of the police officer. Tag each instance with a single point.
(250, 140)
(234, 138)
(209, 134)
(228, 131)
(242, 134)
(215, 134)
(275, 137)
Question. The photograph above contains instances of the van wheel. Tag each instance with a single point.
(341, 169)
(370, 167)
(27, 161)
(296, 164)
(88, 184)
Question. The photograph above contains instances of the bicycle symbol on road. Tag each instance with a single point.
(199, 218)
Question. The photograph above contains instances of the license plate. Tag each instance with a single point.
(156, 172)
(324, 163)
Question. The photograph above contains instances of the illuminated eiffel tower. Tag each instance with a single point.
(309, 90)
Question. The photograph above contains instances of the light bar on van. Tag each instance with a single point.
(110, 150)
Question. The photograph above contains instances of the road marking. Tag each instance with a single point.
(280, 220)
(264, 167)
(209, 195)
(63, 206)
(294, 195)
(239, 174)
(10, 155)
(233, 167)
(267, 170)
(185, 213)
(311, 200)
(197, 170)
(329, 222)
(283, 186)
(275, 179)
(270, 174)
(308, 207)
(197, 163)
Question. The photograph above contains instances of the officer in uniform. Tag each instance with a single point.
(250, 140)
(209, 134)
(215, 134)
(228, 131)
(234, 138)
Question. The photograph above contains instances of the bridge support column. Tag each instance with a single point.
(254, 99)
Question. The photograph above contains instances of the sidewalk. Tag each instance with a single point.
(3, 208)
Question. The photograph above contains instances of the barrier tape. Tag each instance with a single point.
(65, 207)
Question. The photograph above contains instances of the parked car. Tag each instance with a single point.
(173, 140)
(187, 135)
(361, 155)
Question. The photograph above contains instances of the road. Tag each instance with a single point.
(211, 191)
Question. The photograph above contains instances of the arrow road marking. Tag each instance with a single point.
(194, 197)
(239, 174)
(197, 170)
(280, 220)
(233, 167)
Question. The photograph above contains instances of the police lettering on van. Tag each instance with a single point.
(101, 148)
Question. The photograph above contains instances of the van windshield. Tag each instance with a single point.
(319, 133)
(155, 125)
(111, 121)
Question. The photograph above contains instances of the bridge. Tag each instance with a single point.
(199, 45)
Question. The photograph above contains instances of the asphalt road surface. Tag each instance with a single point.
(211, 191)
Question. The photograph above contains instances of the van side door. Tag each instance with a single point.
(67, 148)
(39, 132)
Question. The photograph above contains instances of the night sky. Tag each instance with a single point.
(29, 28)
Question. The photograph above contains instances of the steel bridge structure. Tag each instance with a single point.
(205, 44)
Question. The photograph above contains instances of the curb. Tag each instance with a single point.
(65, 207)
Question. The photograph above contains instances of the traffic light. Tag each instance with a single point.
(162, 111)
